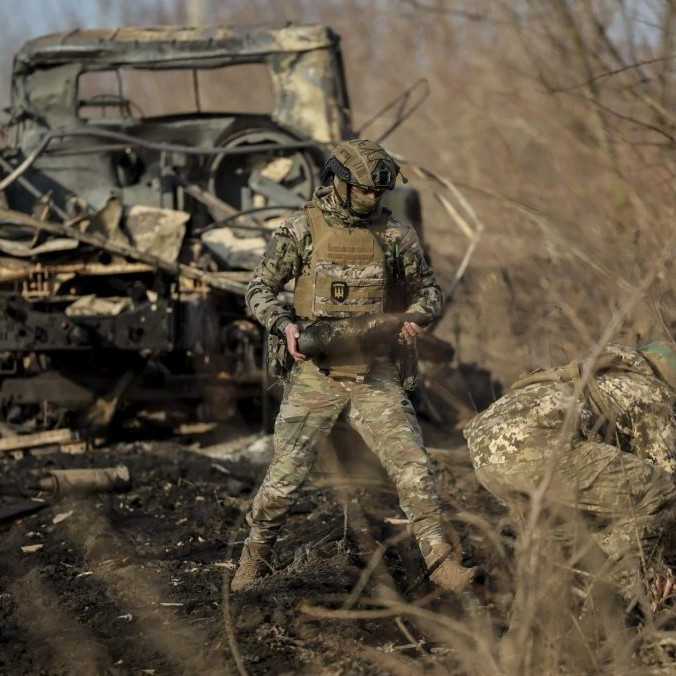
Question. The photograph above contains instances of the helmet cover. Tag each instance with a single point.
(364, 164)
(661, 356)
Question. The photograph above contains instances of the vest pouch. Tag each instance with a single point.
(336, 295)
(406, 359)
(278, 360)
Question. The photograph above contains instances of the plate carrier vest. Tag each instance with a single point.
(347, 277)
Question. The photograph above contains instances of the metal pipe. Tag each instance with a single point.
(175, 148)
(149, 145)
(212, 279)
(27, 185)
(27, 163)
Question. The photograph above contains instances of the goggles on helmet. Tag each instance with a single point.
(383, 177)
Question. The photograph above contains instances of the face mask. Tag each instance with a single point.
(361, 203)
(364, 203)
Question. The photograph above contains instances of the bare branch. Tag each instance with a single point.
(611, 73)
(461, 14)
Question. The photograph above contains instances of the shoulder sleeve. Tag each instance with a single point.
(654, 431)
(423, 291)
(649, 420)
(282, 261)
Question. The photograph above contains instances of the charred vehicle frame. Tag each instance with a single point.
(129, 230)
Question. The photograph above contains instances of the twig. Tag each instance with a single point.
(407, 634)
(473, 234)
(628, 118)
(611, 73)
(329, 614)
(583, 638)
(482, 525)
(448, 11)
(402, 114)
(459, 220)
(464, 630)
(229, 629)
(373, 564)
(462, 268)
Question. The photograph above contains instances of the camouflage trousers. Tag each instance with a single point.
(380, 411)
(628, 504)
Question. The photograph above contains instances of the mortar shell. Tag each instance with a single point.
(101, 480)
(347, 336)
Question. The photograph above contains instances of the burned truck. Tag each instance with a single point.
(141, 172)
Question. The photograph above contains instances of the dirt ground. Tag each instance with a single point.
(132, 583)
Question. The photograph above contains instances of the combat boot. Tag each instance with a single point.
(253, 565)
(447, 573)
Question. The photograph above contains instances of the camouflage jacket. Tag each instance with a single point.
(290, 249)
(520, 426)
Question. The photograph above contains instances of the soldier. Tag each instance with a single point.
(611, 445)
(345, 253)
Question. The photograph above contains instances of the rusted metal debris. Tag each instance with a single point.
(101, 246)
(216, 280)
(130, 228)
(28, 441)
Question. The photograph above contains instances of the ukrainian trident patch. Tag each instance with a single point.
(338, 291)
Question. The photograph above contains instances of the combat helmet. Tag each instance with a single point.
(364, 164)
(661, 356)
